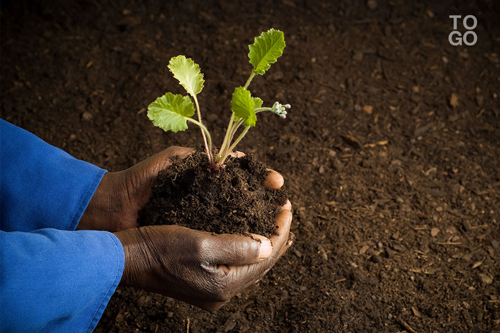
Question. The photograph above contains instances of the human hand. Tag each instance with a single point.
(199, 267)
(121, 195)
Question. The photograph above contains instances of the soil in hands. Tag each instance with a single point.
(230, 200)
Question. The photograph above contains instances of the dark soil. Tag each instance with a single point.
(390, 153)
(230, 200)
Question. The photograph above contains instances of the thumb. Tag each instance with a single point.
(228, 249)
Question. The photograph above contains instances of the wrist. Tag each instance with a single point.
(133, 271)
(105, 208)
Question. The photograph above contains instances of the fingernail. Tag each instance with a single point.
(265, 249)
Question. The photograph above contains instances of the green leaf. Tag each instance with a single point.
(170, 111)
(188, 73)
(258, 102)
(266, 50)
(243, 106)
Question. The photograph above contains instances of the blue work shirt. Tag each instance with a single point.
(52, 278)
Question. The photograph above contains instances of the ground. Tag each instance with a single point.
(391, 150)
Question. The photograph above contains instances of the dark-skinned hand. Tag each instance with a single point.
(194, 266)
(121, 195)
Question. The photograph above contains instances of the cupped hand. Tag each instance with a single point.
(198, 267)
(120, 195)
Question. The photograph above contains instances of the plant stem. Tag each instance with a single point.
(227, 139)
(234, 144)
(262, 109)
(239, 138)
(230, 133)
(232, 127)
(204, 130)
(249, 80)
(208, 147)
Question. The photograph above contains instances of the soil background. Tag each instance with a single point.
(391, 150)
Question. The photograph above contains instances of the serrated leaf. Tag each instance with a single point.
(257, 103)
(170, 111)
(266, 50)
(187, 72)
(243, 106)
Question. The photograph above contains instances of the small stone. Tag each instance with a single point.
(364, 249)
(368, 109)
(454, 100)
(87, 116)
(485, 279)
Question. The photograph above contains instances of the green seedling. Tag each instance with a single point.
(172, 112)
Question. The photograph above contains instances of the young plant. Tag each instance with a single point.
(171, 112)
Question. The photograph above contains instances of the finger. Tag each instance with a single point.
(274, 180)
(287, 206)
(282, 231)
(181, 152)
(291, 240)
(231, 249)
(281, 242)
(162, 160)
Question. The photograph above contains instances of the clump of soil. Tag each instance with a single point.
(230, 200)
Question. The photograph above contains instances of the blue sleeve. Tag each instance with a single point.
(52, 278)
(55, 280)
(41, 186)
